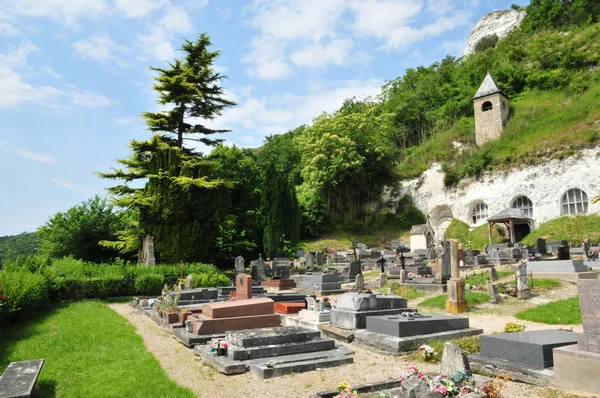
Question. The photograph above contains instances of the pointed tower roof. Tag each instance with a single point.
(488, 87)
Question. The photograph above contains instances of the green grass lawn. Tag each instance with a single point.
(469, 344)
(573, 229)
(561, 312)
(405, 291)
(473, 298)
(481, 278)
(544, 283)
(90, 351)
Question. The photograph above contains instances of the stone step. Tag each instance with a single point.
(320, 344)
(270, 336)
(284, 365)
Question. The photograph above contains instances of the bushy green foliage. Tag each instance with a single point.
(210, 280)
(573, 229)
(149, 284)
(513, 328)
(22, 291)
(15, 246)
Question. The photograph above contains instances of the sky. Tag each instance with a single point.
(75, 77)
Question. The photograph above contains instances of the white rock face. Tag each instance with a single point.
(544, 185)
(499, 23)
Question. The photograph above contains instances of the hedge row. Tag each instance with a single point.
(31, 286)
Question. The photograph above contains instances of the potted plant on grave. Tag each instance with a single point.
(326, 303)
(410, 276)
(219, 347)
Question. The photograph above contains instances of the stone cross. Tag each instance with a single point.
(523, 291)
(260, 269)
(239, 264)
(310, 260)
(381, 263)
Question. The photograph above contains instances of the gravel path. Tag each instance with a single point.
(189, 371)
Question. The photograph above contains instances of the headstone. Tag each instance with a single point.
(360, 282)
(260, 269)
(189, 283)
(493, 274)
(243, 287)
(454, 260)
(589, 298)
(446, 265)
(319, 258)
(563, 253)
(382, 279)
(492, 291)
(454, 360)
(354, 270)
(300, 253)
(523, 291)
(239, 264)
(310, 260)
(362, 246)
(586, 249)
(403, 276)
(329, 259)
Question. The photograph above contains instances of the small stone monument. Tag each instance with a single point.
(454, 360)
(493, 274)
(446, 261)
(523, 291)
(239, 264)
(360, 282)
(456, 302)
(310, 260)
(403, 276)
(492, 291)
(383, 279)
(586, 249)
(243, 287)
(260, 269)
(189, 283)
(540, 245)
(329, 259)
(300, 253)
(319, 259)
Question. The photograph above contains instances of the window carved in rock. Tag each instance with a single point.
(574, 201)
(480, 213)
(523, 203)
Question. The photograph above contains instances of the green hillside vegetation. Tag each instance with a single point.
(12, 247)
(573, 229)
(477, 238)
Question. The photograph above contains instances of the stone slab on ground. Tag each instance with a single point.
(289, 308)
(516, 371)
(557, 266)
(198, 294)
(221, 363)
(267, 336)
(19, 378)
(358, 319)
(338, 333)
(401, 326)
(576, 369)
(191, 340)
(296, 320)
(533, 348)
(405, 344)
(287, 297)
(567, 276)
(427, 288)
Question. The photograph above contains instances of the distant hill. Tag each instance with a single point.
(14, 246)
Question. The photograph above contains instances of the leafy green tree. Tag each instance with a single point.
(78, 231)
(12, 247)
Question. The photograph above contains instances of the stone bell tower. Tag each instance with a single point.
(491, 111)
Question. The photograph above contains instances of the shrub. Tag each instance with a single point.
(25, 291)
(513, 328)
(209, 280)
(149, 284)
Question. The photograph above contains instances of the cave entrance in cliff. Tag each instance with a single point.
(440, 218)
(516, 221)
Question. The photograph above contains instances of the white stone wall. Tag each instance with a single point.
(418, 242)
(499, 23)
(490, 124)
(544, 185)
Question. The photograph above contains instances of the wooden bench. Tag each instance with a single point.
(18, 380)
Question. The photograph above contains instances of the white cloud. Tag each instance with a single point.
(319, 56)
(69, 186)
(258, 117)
(89, 99)
(139, 8)
(50, 71)
(7, 29)
(382, 18)
(68, 11)
(456, 48)
(267, 59)
(100, 47)
(37, 157)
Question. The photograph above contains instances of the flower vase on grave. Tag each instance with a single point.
(188, 326)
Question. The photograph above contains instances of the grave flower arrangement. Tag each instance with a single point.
(457, 385)
(232, 296)
(325, 298)
(410, 276)
(219, 347)
(2, 297)
(428, 352)
(345, 391)
(411, 373)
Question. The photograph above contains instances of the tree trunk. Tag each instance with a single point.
(180, 127)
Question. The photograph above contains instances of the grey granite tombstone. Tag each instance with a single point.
(260, 269)
(454, 360)
(563, 253)
(319, 258)
(523, 291)
(310, 260)
(382, 279)
(354, 270)
(589, 302)
(239, 264)
(300, 253)
(446, 270)
(540, 245)
(329, 259)
(360, 282)
(403, 276)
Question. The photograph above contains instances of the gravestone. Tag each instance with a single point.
(454, 360)
(319, 259)
(243, 287)
(239, 264)
(300, 253)
(329, 259)
(563, 253)
(354, 270)
(403, 276)
(540, 245)
(360, 282)
(456, 302)
(492, 291)
(189, 283)
(493, 274)
(310, 260)
(523, 290)
(382, 279)
(352, 309)
(446, 267)
(260, 269)
(586, 249)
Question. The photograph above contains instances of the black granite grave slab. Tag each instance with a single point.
(401, 326)
(532, 348)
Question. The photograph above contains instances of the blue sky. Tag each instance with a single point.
(74, 75)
